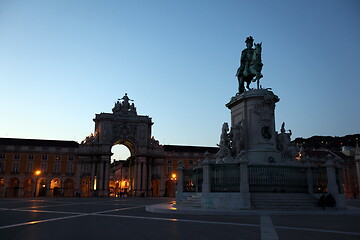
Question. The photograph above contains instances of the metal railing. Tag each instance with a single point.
(193, 179)
(278, 179)
(225, 178)
(319, 180)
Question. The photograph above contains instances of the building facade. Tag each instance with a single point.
(51, 168)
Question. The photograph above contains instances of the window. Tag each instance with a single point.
(169, 161)
(29, 167)
(70, 168)
(2, 167)
(71, 158)
(56, 168)
(169, 170)
(85, 168)
(44, 157)
(57, 158)
(31, 156)
(43, 167)
(15, 167)
(2, 155)
(191, 161)
(155, 170)
(16, 156)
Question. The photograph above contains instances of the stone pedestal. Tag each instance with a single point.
(254, 111)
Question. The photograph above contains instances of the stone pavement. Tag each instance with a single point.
(126, 218)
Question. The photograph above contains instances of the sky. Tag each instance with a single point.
(62, 62)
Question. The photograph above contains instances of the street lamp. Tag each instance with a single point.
(37, 173)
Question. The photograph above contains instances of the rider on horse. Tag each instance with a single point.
(249, 67)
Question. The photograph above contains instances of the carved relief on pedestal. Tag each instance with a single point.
(264, 109)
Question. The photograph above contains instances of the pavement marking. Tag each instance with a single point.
(179, 220)
(44, 211)
(267, 228)
(318, 230)
(41, 221)
(44, 206)
(119, 209)
(268, 231)
(59, 218)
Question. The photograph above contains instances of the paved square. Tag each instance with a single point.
(125, 218)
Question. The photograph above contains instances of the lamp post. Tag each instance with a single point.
(37, 173)
(173, 181)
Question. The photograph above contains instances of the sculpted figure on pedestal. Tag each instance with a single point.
(224, 143)
(125, 103)
(250, 65)
(236, 135)
(284, 143)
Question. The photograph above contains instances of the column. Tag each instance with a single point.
(138, 179)
(100, 178)
(245, 202)
(331, 177)
(77, 177)
(144, 178)
(309, 176)
(244, 179)
(162, 179)
(180, 183)
(149, 193)
(206, 185)
(357, 162)
(106, 179)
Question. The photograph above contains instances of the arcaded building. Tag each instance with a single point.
(30, 167)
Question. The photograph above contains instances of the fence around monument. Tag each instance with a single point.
(278, 179)
(193, 179)
(225, 178)
(288, 179)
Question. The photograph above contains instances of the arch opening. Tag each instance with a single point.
(120, 152)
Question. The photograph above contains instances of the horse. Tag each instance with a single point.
(254, 73)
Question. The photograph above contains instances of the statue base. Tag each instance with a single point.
(254, 111)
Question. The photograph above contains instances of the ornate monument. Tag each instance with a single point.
(122, 126)
(255, 164)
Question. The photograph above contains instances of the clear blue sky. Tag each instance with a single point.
(61, 62)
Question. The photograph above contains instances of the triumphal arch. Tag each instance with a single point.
(122, 126)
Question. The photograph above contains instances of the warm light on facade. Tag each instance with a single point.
(95, 183)
(37, 173)
(173, 176)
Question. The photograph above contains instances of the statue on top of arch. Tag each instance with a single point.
(124, 106)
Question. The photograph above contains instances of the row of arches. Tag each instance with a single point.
(39, 187)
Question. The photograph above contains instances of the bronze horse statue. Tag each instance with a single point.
(251, 73)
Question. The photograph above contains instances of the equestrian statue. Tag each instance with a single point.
(250, 65)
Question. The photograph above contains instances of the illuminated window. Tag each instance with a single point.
(57, 158)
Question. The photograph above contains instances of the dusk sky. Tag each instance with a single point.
(62, 62)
